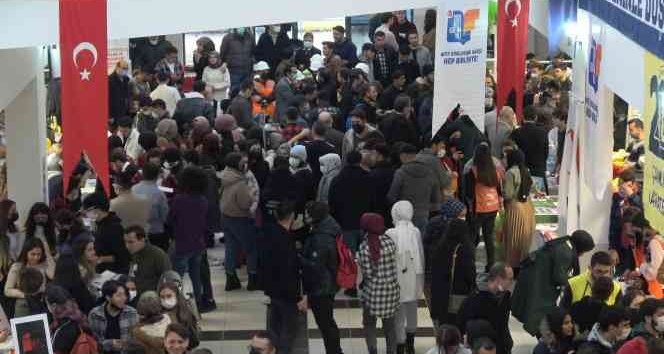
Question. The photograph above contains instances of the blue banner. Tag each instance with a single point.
(560, 13)
(642, 21)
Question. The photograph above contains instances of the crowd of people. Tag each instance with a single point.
(300, 155)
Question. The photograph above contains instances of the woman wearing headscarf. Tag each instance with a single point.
(228, 130)
(379, 290)
(303, 175)
(201, 128)
(330, 166)
(452, 270)
(217, 76)
(410, 262)
(519, 224)
(204, 46)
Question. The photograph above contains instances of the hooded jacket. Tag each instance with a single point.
(235, 200)
(427, 157)
(330, 167)
(350, 196)
(410, 254)
(319, 259)
(415, 183)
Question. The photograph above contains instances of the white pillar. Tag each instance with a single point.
(25, 132)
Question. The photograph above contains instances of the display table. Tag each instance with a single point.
(546, 210)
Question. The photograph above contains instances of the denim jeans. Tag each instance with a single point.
(282, 320)
(240, 234)
(237, 79)
(190, 263)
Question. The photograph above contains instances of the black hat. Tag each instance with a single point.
(583, 242)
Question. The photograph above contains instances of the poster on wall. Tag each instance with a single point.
(653, 114)
(460, 60)
(598, 123)
(118, 49)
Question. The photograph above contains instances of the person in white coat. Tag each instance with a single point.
(217, 75)
(410, 263)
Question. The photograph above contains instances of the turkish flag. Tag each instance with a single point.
(512, 49)
(83, 46)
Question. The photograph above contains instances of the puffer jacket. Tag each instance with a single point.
(236, 52)
(415, 183)
(330, 166)
(236, 199)
(319, 259)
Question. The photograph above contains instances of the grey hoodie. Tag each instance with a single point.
(415, 183)
(427, 157)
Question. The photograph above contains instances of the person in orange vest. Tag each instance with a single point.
(263, 97)
(651, 269)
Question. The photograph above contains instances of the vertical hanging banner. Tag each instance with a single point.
(83, 48)
(461, 60)
(597, 141)
(512, 49)
(653, 115)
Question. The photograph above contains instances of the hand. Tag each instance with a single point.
(117, 344)
(303, 305)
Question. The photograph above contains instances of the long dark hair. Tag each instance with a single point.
(448, 337)
(49, 228)
(486, 169)
(517, 158)
(28, 246)
(6, 225)
(429, 20)
(183, 312)
(68, 276)
(555, 321)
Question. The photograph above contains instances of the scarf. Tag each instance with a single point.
(374, 226)
(406, 236)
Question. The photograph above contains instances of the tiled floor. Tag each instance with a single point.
(240, 313)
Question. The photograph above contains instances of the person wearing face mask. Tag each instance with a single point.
(282, 278)
(303, 176)
(360, 133)
(176, 306)
(330, 167)
(303, 55)
(651, 324)
(150, 329)
(113, 255)
(236, 51)
(16, 239)
(238, 223)
(112, 321)
(430, 156)
(118, 90)
(610, 331)
(492, 303)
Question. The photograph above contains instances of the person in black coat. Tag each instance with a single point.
(68, 321)
(398, 125)
(491, 302)
(149, 52)
(408, 65)
(533, 140)
(398, 86)
(191, 107)
(385, 61)
(303, 55)
(454, 251)
(68, 275)
(280, 186)
(113, 255)
(273, 46)
(204, 46)
(350, 197)
(118, 90)
(381, 175)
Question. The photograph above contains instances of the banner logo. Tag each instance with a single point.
(83, 46)
(515, 20)
(460, 25)
(595, 65)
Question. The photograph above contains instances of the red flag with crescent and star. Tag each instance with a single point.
(83, 47)
(512, 48)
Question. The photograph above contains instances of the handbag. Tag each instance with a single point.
(455, 301)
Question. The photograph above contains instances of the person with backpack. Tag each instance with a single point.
(319, 272)
(410, 262)
(69, 327)
(379, 290)
(483, 195)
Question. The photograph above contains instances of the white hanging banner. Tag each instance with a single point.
(461, 39)
(118, 49)
(597, 141)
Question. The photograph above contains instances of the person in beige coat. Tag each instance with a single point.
(130, 208)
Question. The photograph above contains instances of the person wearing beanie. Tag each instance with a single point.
(226, 126)
(542, 276)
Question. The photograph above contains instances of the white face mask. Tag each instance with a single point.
(154, 41)
(132, 294)
(308, 44)
(625, 334)
(659, 324)
(169, 303)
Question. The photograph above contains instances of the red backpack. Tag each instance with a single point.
(347, 269)
(85, 344)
